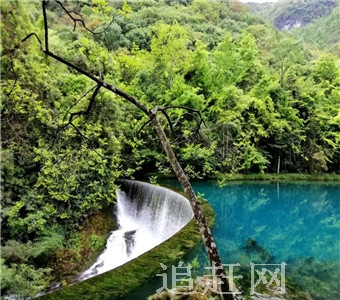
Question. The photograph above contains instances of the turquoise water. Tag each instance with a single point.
(289, 220)
(271, 223)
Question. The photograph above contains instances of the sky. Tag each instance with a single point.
(259, 1)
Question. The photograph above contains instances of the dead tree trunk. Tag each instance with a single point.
(207, 237)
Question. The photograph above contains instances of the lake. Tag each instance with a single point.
(268, 224)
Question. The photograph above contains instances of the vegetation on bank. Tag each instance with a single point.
(280, 177)
(267, 102)
(84, 246)
(65, 257)
(223, 177)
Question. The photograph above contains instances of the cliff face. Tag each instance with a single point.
(300, 13)
(288, 14)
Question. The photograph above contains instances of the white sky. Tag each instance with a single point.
(259, 1)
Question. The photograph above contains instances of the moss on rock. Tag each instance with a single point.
(84, 246)
(122, 281)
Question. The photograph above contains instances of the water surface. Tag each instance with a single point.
(271, 223)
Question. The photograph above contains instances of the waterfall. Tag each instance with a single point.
(147, 215)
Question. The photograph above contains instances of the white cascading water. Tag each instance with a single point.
(147, 216)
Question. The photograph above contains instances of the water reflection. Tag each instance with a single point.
(280, 222)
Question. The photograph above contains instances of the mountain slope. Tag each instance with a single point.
(323, 33)
(287, 14)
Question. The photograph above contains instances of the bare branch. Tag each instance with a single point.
(146, 123)
(87, 111)
(106, 28)
(103, 83)
(56, 135)
(85, 137)
(29, 36)
(15, 78)
(77, 101)
(168, 119)
(81, 20)
(75, 20)
(44, 3)
(188, 109)
(78, 113)
(194, 114)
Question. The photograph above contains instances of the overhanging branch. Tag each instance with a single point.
(207, 237)
(87, 111)
(79, 19)
(78, 113)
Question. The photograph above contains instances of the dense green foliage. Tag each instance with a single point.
(267, 102)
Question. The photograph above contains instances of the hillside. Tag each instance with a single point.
(323, 33)
(288, 14)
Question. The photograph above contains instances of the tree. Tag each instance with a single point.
(286, 53)
(168, 49)
(152, 114)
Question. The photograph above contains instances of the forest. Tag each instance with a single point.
(242, 97)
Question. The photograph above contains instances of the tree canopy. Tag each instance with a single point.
(267, 102)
